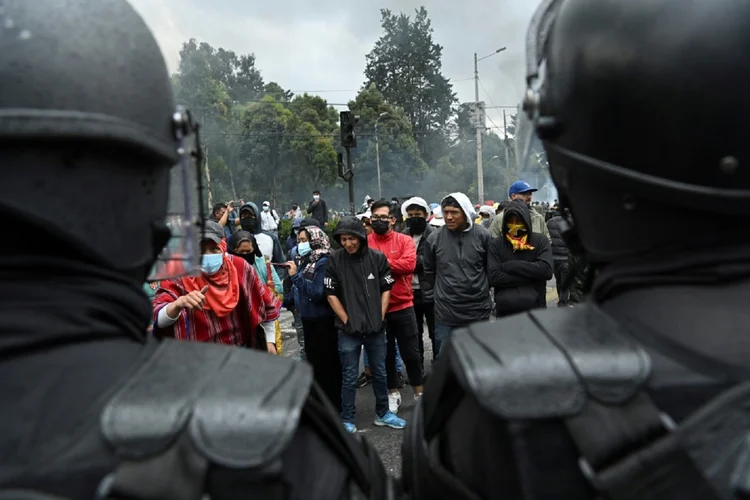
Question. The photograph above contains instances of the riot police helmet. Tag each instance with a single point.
(89, 131)
(640, 107)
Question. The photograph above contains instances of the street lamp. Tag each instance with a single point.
(480, 171)
(377, 152)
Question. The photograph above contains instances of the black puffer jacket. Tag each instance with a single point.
(559, 248)
(358, 280)
(520, 278)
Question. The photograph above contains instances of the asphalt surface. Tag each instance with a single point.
(385, 440)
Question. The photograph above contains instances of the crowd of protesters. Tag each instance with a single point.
(399, 271)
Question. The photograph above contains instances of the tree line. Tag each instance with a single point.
(263, 142)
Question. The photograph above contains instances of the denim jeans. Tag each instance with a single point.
(350, 349)
(443, 334)
(399, 361)
(297, 324)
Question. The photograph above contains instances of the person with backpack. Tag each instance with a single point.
(641, 392)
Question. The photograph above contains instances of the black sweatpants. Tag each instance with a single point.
(322, 352)
(402, 325)
(561, 270)
(424, 311)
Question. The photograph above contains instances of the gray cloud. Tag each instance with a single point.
(321, 46)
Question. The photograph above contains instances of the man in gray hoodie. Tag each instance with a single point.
(455, 269)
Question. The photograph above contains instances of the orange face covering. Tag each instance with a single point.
(223, 293)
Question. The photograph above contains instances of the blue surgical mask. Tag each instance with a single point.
(211, 262)
(304, 248)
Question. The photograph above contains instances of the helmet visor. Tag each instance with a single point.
(528, 147)
(181, 256)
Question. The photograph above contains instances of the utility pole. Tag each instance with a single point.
(505, 141)
(480, 131)
(377, 152)
(477, 116)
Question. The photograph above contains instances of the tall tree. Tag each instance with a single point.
(282, 156)
(400, 162)
(277, 92)
(405, 65)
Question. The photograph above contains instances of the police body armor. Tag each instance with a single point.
(564, 404)
(200, 418)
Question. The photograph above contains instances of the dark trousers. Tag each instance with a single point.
(322, 352)
(402, 325)
(424, 311)
(561, 270)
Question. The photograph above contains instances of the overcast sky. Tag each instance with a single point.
(320, 46)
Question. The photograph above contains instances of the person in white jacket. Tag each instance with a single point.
(269, 219)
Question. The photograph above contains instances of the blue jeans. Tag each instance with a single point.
(443, 334)
(399, 362)
(350, 349)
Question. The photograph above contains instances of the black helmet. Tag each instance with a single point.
(87, 128)
(641, 108)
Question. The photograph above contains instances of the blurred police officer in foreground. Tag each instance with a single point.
(99, 171)
(641, 107)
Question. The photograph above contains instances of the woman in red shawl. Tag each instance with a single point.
(224, 305)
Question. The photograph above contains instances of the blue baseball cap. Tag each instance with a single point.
(519, 187)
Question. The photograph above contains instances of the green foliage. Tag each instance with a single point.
(262, 142)
(405, 66)
(330, 229)
(265, 143)
(285, 229)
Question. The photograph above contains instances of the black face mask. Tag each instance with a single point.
(416, 225)
(249, 257)
(380, 226)
(248, 224)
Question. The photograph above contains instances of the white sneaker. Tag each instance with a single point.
(394, 402)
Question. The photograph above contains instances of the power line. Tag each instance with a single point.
(493, 104)
(283, 134)
(357, 90)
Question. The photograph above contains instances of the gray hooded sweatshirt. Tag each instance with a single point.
(455, 270)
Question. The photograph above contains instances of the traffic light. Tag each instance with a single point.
(348, 137)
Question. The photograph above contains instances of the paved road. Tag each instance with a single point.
(385, 440)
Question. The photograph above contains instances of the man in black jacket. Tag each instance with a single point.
(560, 253)
(455, 270)
(642, 392)
(358, 283)
(519, 263)
(318, 209)
(416, 210)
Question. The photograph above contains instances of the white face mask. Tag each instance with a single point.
(316, 197)
(266, 209)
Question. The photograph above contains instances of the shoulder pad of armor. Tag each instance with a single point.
(545, 363)
(240, 407)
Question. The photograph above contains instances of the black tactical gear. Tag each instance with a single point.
(641, 393)
(86, 125)
(91, 407)
(608, 77)
(567, 402)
